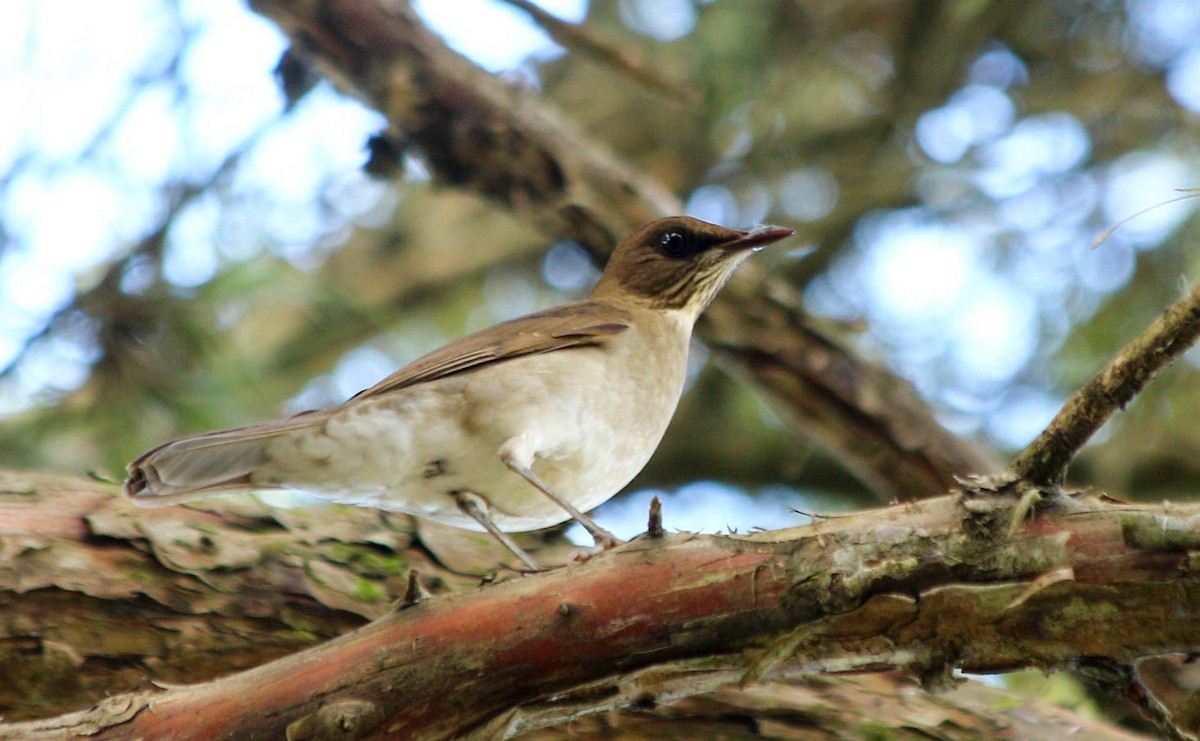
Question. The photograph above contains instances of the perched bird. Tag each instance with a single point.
(517, 427)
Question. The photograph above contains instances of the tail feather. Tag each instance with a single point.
(205, 465)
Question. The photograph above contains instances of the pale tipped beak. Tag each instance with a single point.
(757, 238)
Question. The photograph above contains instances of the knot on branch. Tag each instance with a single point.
(994, 507)
(840, 593)
(345, 719)
(845, 590)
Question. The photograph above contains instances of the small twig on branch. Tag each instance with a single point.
(414, 594)
(606, 51)
(654, 525)
(1189, 194)
(815, 516)
(1044, 462)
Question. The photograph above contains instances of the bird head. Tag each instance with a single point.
(679, 263)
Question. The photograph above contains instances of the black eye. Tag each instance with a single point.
(674, 244)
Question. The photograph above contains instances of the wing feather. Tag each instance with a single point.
(559, 328)
(226, 460)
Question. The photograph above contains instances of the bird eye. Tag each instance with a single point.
(674, 244)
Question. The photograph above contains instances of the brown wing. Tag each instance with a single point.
(569, 325)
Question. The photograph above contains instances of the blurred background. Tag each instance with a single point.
(188, 238)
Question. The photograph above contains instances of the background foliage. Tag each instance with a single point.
(190, 241)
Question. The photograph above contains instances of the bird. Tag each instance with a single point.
(516, 427)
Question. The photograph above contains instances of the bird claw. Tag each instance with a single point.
(606, 541)
(584, 555)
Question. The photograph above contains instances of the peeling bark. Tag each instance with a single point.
(927, 587)
(98, 596)
(877, 706)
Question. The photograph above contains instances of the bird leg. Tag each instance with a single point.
(476, 509)
(603, 538)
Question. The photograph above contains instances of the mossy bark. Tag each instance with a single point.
(102, 597)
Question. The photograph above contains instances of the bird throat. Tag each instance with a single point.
(694, 290)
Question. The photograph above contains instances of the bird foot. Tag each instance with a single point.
(604, 539)
(583, 555)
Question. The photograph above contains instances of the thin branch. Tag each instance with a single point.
(99, 299)
(1044, 462)
(607, 52)
(184, 594)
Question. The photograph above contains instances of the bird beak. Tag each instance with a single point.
(757, 238)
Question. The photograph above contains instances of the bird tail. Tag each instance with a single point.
(207, 464)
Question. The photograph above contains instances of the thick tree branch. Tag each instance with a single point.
(476, 133)
(927, 586)
(1044, 462)
(96, 595)
(78, 557)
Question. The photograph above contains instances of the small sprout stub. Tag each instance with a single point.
(413, 595)
(654, 527)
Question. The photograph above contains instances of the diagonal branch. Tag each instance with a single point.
(606, 51)
(1044, 462)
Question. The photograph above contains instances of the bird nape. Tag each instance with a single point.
(516, 427)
